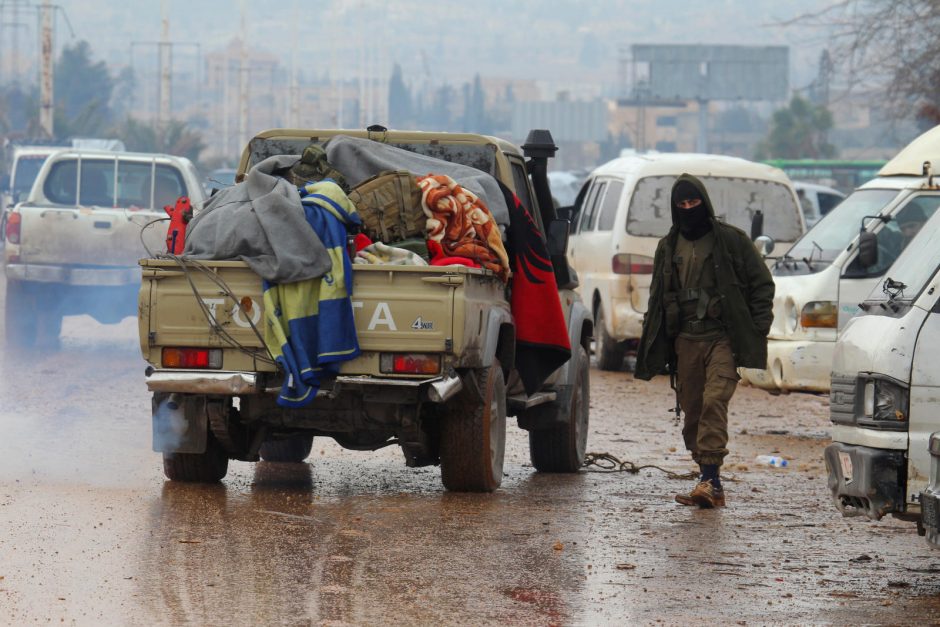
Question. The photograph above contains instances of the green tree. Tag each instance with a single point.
(82, 92)
(175, 138)
(798, 131)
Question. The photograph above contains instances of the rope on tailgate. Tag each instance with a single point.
(187, 265)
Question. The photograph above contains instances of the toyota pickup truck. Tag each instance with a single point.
(437, 374)
(72, 247)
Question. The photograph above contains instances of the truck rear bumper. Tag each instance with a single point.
(73, 275)
(203, 382)
(866, 481)
(229, 383)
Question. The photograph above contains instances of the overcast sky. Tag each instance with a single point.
(563, 42)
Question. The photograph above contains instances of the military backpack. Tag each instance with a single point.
(389, 205)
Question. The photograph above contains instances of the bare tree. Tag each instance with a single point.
(891, 45)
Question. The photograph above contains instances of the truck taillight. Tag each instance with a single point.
(626, 263)
(409, 363)
(192, 358)
(13, 227)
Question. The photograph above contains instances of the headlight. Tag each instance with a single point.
(884, 404)
(820, 314)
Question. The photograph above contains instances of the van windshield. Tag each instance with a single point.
(833, 233)
(915, 266)
(735, 201)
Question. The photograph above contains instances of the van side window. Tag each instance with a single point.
(575, 215)
(895, 236)
(590, 206)
(608, 210)
(827, 202)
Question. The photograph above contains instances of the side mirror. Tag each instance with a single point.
(867, 249)
(764, 244)
(757, 225)
(557, 237)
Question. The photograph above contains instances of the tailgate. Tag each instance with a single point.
(86, 236)
(400, 309)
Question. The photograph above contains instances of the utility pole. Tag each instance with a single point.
(164, 112)
(46, 103)
(10, 20)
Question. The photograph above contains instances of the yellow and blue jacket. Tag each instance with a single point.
(308, 325)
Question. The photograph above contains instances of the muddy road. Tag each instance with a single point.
(93, 534)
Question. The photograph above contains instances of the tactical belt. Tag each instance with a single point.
(701, 326)
(694, 293)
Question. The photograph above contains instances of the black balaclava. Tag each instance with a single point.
(693, 223)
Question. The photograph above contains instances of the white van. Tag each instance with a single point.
(885, 379)
(820, 281)
(624, 209)
(816, 200)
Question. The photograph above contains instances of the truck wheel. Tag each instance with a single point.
(20, 315)
(292, 450)
(609, 352)
(562, 448)
(207, 467)
(473, 436)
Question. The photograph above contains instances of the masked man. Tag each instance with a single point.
(710, 309)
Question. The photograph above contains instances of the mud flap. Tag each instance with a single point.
(550, 415)
(180, 423)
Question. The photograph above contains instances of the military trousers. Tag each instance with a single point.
(706, 380)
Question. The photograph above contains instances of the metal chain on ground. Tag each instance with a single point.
(605, 462)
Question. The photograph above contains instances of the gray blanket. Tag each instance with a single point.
(358, 159)
(260, 221)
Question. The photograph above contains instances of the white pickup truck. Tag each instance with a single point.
(72, 247)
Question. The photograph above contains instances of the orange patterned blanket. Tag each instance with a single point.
(461, 223)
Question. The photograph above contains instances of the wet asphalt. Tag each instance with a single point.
(93, 534)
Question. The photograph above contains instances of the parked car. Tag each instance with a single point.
(623, 210)
(816, 200)
(821, 280)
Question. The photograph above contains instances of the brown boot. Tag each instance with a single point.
(705, 495)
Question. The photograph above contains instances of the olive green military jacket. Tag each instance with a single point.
(744, 284)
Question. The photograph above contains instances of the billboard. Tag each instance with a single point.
(568, 120)
(701, 72)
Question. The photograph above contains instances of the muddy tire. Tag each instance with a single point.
(208, 467)
(609, 352)
(562, 448)
(291, 450)
(473, 436)
(20, 316)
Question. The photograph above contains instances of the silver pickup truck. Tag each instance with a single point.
(439, 369)
(72, 247)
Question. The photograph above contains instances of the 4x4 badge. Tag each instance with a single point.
(421, 325)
